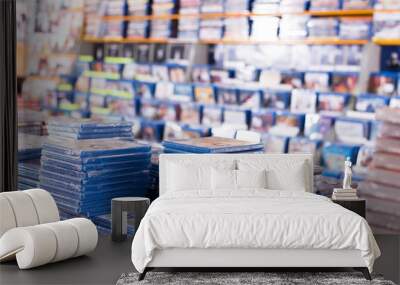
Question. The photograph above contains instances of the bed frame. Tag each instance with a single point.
(237, 259)
(245, 259)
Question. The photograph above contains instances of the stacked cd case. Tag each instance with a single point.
(236, 27)
(138, 7)
(28, 174)
(162, 28)
(153, 191)
(293, 27)
(29, 146)
(29, 153)
(84, 175)
(210, 145)
(265, 6)
(324, 5)
(103, 224)
(323, 27)
(211, 28)
(258, 31)
(137, 28)
(188, 26)
(89, 129)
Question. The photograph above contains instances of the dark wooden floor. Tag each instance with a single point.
(110, 260)
(103, 266)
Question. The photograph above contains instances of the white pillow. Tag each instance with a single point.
(223, 179)
(227, 179)
(182, 177)
(251, 178)
(281, 174)
(279, 178)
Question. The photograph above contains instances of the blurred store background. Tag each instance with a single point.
(310, 76)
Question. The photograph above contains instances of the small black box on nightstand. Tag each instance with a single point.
(355, 205)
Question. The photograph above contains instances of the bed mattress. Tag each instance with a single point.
(251, 219)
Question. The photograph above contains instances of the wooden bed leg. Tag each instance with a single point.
(143, 274)
(365, 272)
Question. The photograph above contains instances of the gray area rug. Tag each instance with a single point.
(269, 278)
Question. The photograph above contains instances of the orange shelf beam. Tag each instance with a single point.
(309, 41)
(386, 42)
(124, 40)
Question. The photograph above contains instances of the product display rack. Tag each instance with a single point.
(339, 13)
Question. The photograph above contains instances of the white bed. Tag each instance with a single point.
(248, 227)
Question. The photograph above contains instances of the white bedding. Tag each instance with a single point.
(250, 219)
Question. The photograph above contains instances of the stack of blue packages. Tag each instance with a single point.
(211, 145)
(84, 175)
(81, 129)
(103, 224)
(29, 152)
(153, 192)
(28, 174)
(29, 146)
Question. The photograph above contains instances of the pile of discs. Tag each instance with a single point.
(211, 145)
(84, 175)
(83, 129)
(29, 152)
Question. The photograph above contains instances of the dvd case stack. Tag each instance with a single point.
(138, 7)
(28, 174)
(94, 10)
(322, 27)
(153, 191)
(32, 122)
(162, 28)
(103, 224)
(29, 146)
(236, 28)
(386, 25)
(84, 175)
(115, 8)
(265, 6)
(211, 28)
(355, 29)
(324, 5)
(292, 6)
(356, 4)
(386, 4)
(381, 188)
(188, 26)
(137, 29)
(114, 29)
(211, 145)
(258, 31)
(293, 27)
(84, 129)
(344, 194)
(29, 153)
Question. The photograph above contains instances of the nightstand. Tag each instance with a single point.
(119, 215)
(357, 205)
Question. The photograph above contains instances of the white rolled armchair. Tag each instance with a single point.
(31, 230)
